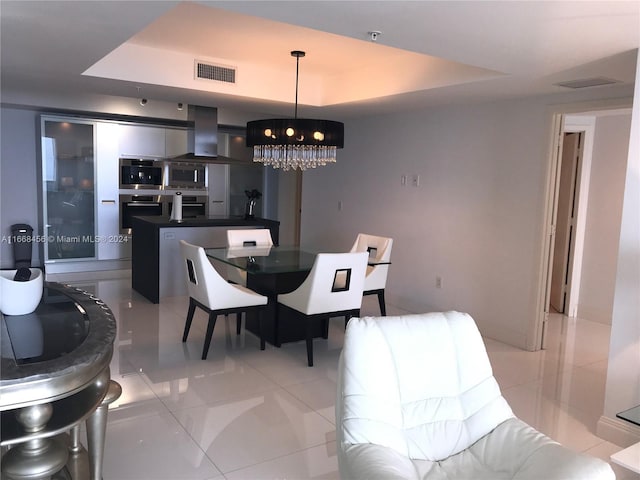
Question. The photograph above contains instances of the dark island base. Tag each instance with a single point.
(149, 238)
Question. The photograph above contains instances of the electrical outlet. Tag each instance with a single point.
(340, 205)
(438, 282)
(415, 180)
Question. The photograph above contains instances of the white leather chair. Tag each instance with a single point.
(213, 294)
(249, 237)
(416, 399)
(379, 249)
(333, 288)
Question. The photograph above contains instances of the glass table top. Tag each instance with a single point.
(632, 415)
(265, 260)
(55, 328)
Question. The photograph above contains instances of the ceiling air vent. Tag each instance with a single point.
(587, 82)
(219, 73)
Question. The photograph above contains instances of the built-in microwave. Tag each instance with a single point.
(185, 175)
(138, 173)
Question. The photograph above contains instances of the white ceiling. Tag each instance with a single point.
(428, 53)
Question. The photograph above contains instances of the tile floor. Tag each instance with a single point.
(250, 414)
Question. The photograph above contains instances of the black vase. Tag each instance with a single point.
(249, 209)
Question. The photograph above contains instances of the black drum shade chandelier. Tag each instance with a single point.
(288, 143)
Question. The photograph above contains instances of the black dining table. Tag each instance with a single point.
(270, 272)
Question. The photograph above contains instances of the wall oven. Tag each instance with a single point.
(192, 205)
(186, 175)
(138, 205)
(137, 174)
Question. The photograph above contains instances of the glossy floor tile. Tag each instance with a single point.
(250, 414)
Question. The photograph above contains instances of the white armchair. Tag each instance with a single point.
(379, 250)
(417, 400)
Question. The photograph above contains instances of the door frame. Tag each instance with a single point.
(585, 124)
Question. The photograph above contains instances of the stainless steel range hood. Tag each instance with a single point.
(202, 138)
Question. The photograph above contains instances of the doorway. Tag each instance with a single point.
(569, 190)
(569, 261)
(562, 263)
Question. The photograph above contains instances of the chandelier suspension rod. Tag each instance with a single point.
(297, 54)
(295, 112)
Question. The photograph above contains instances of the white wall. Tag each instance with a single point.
(475, 220)
(604, 213)
(623, 372)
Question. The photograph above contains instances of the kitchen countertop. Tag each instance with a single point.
(205, 221)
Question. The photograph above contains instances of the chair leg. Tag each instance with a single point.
(276, 333)
(383, 308)
(325, 328)
(238, 322)
(309, 344)
(187, 325)
(261, 329)
(207, 339)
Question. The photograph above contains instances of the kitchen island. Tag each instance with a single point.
(156, 263)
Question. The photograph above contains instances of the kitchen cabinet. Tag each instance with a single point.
(68, 188)
(218, 189)
(109, 243)
(141, 141)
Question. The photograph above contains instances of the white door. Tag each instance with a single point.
(565, 221)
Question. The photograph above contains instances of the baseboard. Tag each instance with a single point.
(618, 431)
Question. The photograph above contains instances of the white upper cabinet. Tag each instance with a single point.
(142, 141)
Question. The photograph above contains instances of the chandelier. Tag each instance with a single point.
(288, 143)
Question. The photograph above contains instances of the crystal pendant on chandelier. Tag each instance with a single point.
(287, 157)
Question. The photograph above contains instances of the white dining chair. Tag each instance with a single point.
(333, 288)
(213, 294)
(249, 237)
(246, 237)
(379, 249)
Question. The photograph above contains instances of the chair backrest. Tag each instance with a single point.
(254, 237)
(421, 385)
(204, 283)
(335, 283)
(379, 250)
